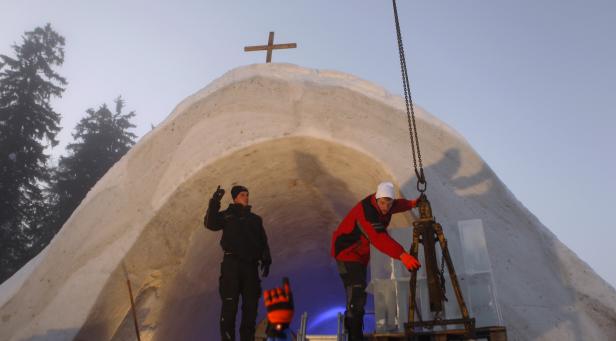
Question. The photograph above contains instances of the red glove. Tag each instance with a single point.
(410, 262)
(279, 304)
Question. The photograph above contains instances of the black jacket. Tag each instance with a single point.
(243, 234)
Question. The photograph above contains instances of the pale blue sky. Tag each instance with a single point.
(528, 83)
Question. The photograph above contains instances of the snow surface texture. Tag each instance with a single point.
(308, 144)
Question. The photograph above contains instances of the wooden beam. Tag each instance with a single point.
(270, 47)
(270, 43)
(274, 47)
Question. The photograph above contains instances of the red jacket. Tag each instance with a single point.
(365, 225)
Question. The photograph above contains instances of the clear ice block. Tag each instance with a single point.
(389, 280)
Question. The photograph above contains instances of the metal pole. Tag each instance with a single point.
(132, 302)
(340, 333)
(301, 335)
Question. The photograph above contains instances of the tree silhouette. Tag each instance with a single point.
(28, 125)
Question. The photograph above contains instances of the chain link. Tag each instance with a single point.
(410, 112)
(442, 275)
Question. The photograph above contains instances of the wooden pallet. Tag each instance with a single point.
(494, 333)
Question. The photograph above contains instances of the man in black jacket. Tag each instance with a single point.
(245, 248)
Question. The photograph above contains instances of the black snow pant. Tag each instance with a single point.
(353, 277)
(238, 278)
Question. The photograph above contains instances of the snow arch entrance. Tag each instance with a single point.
(301, 187)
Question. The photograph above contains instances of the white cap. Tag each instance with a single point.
(385, 190)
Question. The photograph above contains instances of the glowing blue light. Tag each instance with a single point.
(323, 320)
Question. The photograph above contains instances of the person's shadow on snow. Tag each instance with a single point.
(529, 310)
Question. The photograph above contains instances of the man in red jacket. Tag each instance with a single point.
(366, 224)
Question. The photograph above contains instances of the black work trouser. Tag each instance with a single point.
(353, 277)
(238, 278)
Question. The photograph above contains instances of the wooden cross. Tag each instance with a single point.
(269, 47)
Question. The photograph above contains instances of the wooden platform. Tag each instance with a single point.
(483, 333)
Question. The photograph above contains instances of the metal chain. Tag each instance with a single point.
(442, 275)
(410, 112)
(404, 82)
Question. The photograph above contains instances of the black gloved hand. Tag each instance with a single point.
(265, 269)
(217, 196)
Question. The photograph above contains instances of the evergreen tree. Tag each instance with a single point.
(101, 139)
(28, 125)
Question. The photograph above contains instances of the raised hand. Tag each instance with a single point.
(217, 196)
(279, 305)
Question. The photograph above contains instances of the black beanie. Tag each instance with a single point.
(235, 190)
